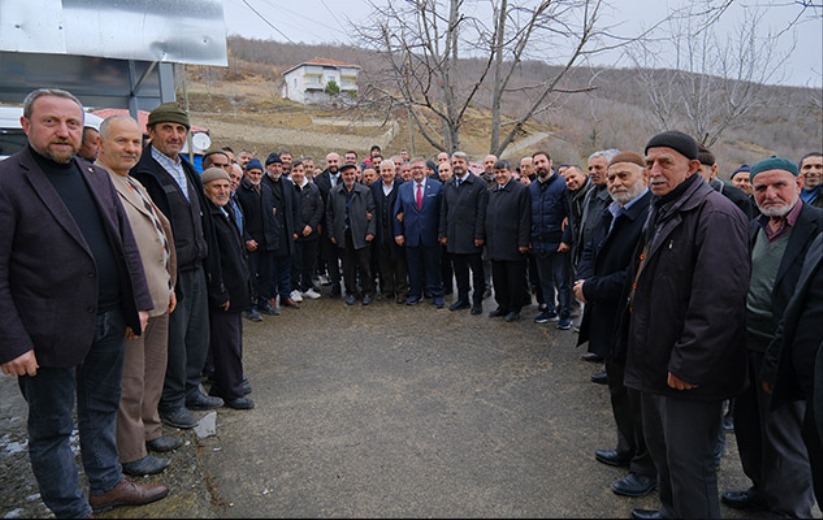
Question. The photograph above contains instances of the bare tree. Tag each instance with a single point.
(717, 81)
(441, 56)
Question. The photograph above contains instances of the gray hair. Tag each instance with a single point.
(56, 92)
(460, 154)
(104, 126)
(606, 154)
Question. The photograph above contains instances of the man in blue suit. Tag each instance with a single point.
(418, 210)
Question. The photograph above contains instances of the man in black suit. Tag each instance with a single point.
(601, 284)
(72, 286)
(391, 259)
(508, 230)
(329, 253)
(285, 214)
(768, 438)
(463, 231)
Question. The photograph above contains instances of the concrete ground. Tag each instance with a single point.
(391, 411)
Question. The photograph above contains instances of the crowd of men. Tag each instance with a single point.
(694, 291)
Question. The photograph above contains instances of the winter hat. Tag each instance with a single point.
(773, 163)
(678, 141)
(169, 113)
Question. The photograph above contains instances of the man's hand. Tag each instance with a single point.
(443, 241)
(678, 384)
(251, 245)
(399, 240)
(578, 290)
(767, 387)
(563, 248)
(333, 240)
(369, 215)
(478, 242)
(226, 306)
(399, 217)
(25, 364)
(172, 302)
(307, 231)
(523, 249)
(369, 237)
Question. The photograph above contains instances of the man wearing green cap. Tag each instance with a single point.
(176, 188)
(768, 435)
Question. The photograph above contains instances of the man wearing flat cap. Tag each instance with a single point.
(768, 427)
(686, 338)
(176, 189)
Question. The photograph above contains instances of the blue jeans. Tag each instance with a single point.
(50, 396)
(553, 271)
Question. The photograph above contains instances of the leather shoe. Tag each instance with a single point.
(438, 302)
(164, 444)
(477, 308)
(747, 499)
(253, 315)
(148, 465)
(611, 458)
(268, 308)
(349, 299)
(634, 485)
(246, 387)
(512, 316)
(646, 514)
(591, 356)
(241, 403)
(412, 300)
(399, 299)
(181, 418)
(497, 313)
(127, 493)
(600, 378)
(198, 401)
(366, 299)
(458, 305)
(291, 303)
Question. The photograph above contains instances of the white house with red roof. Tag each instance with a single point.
(306, 83)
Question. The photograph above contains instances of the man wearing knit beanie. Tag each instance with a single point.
(740, 178)
(693, 267)
(176, 188)
(768, 425)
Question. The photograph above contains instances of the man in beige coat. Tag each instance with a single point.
(144, 366)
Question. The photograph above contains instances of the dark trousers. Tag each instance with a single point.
(260, 264)
(814, 446)
(424, 261)
(509, 279)
(462, 264)
(331, 257)
(281, 277)
(631, 444)
(771, 446)
(51, 397)
(681, 435)
(393, 272)
(305, 256)
(553, 270)
(227, 353)
(446, 270)
(534, 279)
(188, 341)
(354, 260)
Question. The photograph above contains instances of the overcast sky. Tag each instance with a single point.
(326, 21)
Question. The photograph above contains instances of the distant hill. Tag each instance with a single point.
(241, 105)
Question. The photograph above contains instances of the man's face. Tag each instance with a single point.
(542, 166)
(667, 169)
(255, 175)
(398, 162)
(376, 161)
(230, 155)
(286, 158)
(418, 171)
(243, 158)
(351, 158)
(387, 172)
(333, 163)
(369, 176)
(597, 170)
(168, 138)
(707, 172)
(218, 191)
(488, 164)
(526, 166)
(406, 171)
(444, 171)
(459, 166)
(575, 179)
(502, 175)
(404, 154)
(349, 176)
(298, 173)
(811, 170)
(121, 149)
(741, 180)
(274, 170)
(374, 152)
(776, 192)
(91, 144)
(220, 160)
(236, 175)
(309, 164)
(441, 158)
(55, 129)
(625, 181)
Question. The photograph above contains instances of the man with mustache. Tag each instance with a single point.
(329, 253)
(601, 284)
(175, 187)
(72, 286)
(146, 356)
(771, 448)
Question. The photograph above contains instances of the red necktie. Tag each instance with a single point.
(419, 196)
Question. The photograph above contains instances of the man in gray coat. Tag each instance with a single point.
(351, 227)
